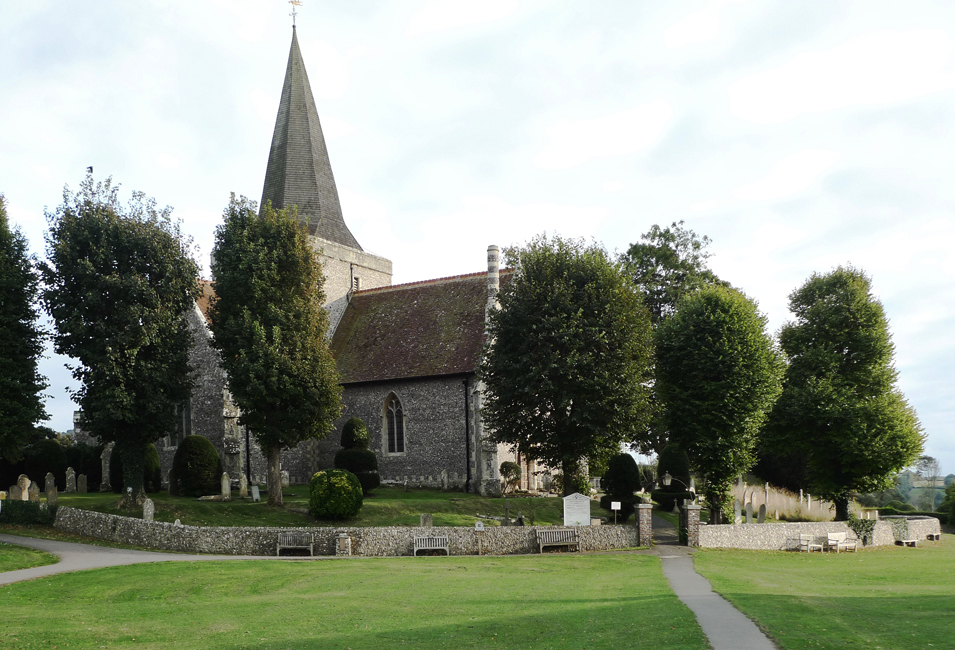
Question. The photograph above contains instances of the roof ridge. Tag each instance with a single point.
(432, 282)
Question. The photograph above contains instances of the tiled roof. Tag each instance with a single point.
(299, 172)
(420, 329)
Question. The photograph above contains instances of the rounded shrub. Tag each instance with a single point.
(334, 494)
(197, 467)
(363, 463)
(673, 460)
(152, 471)
(355, 435)
(620, 481)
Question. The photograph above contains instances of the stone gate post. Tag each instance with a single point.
(644, 524)
(693, 525)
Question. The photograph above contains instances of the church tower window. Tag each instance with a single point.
(395, 425)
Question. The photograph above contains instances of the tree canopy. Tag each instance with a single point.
(840, 405)
(117, 283)
(269, 327)
(567, 363)
(21, 342)
(718, 374)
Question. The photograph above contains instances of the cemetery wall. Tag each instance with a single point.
(368, 542)
(785, 536)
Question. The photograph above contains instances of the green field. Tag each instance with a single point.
(885, 597)
(13, 558)
(559, 601)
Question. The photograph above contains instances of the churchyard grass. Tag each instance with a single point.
(883, 597)
(13, 558)
(559, 601)
(390, 506)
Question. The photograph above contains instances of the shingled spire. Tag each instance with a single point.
(299, 172)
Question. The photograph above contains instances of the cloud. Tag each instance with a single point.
(697, 28)
(574, 142)
(442, 16)
(870, 70)
(790, 176)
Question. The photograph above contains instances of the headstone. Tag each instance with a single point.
(255, 494)
(576, 510)
(808, 501)
(33, 494)
(739, 481)
(776, 515)
(243, 485)
(178, 523)
(81, 484)
(800, 497)
(225, 487)
(24, 484)
(427, 521)
(49, 482)
(761, 518)
(444, 480)
(749, 512)
(16, 494)
(70, 480)
(520, 519)
(51, 494)
(149, 510)
(3, 495)
(285, 479)
(737, 512)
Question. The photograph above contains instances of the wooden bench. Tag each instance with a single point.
(557, 537)
(907, 542)
(431, 544)
(295, 540)
(840, 542)
(808, 543)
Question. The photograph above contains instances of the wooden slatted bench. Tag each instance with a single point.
(557, 537)
(431, 544)
(295, 540)
(840, 542)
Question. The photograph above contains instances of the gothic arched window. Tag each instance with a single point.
(395, 425)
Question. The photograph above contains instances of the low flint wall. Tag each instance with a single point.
(785, 536)
(369, 542)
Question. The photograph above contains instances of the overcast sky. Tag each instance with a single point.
(798, 136)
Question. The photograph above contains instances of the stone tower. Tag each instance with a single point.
(299, 174)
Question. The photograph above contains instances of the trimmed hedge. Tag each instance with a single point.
(334, 494)
(620, 481)
(197, 467)
(667, 500)
(675, 461)
(26, 513)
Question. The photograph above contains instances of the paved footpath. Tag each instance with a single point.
(77, 557)
(724, 625)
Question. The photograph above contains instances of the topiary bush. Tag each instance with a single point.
(197, 467)
(363, 463)
(673, 460)
(334, 494)
(620, 481)
(152, 473)
(668, 500)
(355, 434)
(510, 476)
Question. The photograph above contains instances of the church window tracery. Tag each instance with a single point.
(395, 425)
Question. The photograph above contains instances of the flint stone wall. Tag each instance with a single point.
(368, 542)
(785, 536)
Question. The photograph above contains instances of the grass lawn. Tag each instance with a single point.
(13, 558)
(885, 597)
(388, 507)
(561, 601)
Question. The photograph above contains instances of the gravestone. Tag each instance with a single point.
(149, 510)
(70, 480)
(3, 495)
(49, 482)
(104, 485)
(808, 502)
(749, 512)
(800, 497)
(427, 521)
(243, 485)
(33, 493)
(576, 510)
(761, 519)
(51, 494)
(285, 478)
(776, 515)
(737, 512)
(24, 484)
(225, 487)
(16, 494)
(255, 494)
(81, 484)
(444, 480)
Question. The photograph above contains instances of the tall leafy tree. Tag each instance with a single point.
(269, 327)
(665, 265)
(117, 283)
(840, 405)
(21, 342)
(567, 364)
(718, 374)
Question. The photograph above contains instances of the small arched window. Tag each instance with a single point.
(395, 423)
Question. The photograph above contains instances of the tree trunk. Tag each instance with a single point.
(842, 507)
(133, 454)
(715, 502)
(570, 468)
(275, 476)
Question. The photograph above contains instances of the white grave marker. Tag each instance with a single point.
(255, 494)
(576, 510)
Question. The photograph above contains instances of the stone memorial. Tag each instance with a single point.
(761, 518)
(51, 494)
(427, 521)
(104, 485)
(49, 482)
(3, 495)
(737, 512)
(225, 487)
(444, 480)
(576, 510)
(243, 485)
(33, 493)
(70, 480)
(149, 509)
(24, 484)
(285, 478)
(16, 494)
(749, 512)
(81, 484)
(255, 494)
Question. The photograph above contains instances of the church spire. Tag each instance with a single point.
(299, 172)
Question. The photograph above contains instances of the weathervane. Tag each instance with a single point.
(294, 3)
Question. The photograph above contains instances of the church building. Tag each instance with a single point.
(407, 354)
